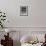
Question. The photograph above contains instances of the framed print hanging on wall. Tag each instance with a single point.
(24, 11)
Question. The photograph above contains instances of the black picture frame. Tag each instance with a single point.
(23, 10)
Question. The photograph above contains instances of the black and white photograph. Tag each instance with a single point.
(24, 11)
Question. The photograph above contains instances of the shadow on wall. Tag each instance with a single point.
(16, 43)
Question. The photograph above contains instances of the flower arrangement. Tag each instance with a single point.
(2, 19)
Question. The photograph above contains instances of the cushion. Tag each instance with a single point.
(26, 39)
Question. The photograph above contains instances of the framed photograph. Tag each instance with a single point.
(24, 11)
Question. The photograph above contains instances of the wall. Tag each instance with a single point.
(12, 9)
(38, 13)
